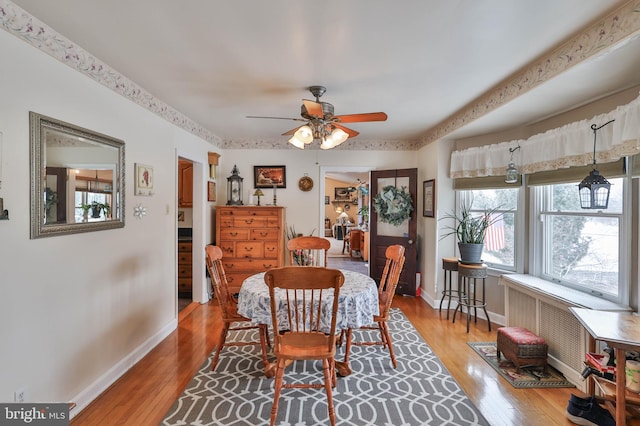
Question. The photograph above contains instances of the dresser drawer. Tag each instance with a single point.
(234, 234)
(184, 271)
(184, 285)
(248, 265)
(271, 249)
(248, 211)
(185, 246)
(249, 249)
(184, 258)
(228, 248)
(251, 221)
(264, 234)
(236, 279)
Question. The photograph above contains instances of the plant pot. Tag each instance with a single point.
(470, 253)
(95, 212)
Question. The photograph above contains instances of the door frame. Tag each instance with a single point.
(199, 291)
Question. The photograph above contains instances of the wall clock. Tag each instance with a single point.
(305, 183)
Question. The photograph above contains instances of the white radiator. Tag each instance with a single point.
(543, 307)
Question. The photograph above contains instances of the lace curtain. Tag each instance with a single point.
(567, 146)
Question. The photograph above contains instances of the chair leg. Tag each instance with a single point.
(221, 340)
(383, 326)
(277, 390)
(264, 336)
(347, 349)
(328, 382)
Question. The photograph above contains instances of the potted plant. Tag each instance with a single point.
(364, 212)
(95, 208)
(470, 229)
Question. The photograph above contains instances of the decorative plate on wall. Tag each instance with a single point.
(305, 183)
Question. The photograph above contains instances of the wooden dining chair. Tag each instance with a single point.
(304, 308)
(229, 308)
(308, 251)
(386, 290)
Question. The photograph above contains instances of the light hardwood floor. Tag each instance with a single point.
(146, 392)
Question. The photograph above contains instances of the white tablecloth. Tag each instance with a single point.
(357, 302)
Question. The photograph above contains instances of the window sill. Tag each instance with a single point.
(560, 293)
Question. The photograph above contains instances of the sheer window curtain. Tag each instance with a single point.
(567, 146)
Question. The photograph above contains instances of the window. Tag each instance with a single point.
(499, 242)
(579, 248)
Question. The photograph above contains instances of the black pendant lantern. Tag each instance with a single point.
(234, 188)
(594, 189)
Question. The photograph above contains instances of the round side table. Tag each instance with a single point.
(449, 265)
(469, 276)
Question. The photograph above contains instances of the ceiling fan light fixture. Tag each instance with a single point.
(304, 134)
(339, 136)
(296, 142)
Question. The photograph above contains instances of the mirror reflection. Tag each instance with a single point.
(77, 179)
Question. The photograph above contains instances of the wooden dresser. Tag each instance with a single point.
(252, 239)
(184, 266)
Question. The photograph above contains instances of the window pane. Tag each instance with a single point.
(583, 251)
(565, 197)
(499, 243)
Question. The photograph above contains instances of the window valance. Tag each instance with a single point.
(567, 146)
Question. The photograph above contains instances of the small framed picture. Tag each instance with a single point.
(180, 215)
(428, 197)
(211, 191)
(342, 194)
(269, 176)
(326, 199)
(144, 180)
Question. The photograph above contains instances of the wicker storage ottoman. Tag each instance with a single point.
(522, 347)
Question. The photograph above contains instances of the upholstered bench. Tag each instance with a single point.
(522, 347)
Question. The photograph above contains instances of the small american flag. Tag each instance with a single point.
(494, 236)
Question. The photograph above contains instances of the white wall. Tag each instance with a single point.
(303, 208)
(76, 311)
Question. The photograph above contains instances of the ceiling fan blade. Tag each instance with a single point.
(277, 118)
(359, 118)
(314, 109)
(351, 133)
(292, 131)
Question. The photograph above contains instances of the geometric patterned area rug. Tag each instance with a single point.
(420, 391)
(529, 377)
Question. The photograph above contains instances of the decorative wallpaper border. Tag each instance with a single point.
(16, 21)
(617, 26)
(355, 145)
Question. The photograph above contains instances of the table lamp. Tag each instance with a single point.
(343, 217)
(258, 194)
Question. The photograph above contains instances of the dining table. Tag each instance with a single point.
(357, 304)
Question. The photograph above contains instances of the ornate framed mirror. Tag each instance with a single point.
(77, 179)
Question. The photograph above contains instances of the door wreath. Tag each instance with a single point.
(393, 205)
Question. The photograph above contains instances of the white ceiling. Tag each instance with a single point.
(420, 61)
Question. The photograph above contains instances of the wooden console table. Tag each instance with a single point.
(621, 331)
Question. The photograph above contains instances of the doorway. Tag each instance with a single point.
(193, 221)
(341, 221)
(185, 233)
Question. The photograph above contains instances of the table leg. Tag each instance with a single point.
(621, 419)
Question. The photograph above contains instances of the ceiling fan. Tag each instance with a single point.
(322, 125)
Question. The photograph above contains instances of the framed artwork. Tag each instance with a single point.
(180, 215)
(428, 197)
(326, 199)
(144, 180)
(211, 191)
(342, 194)
(269, 176)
